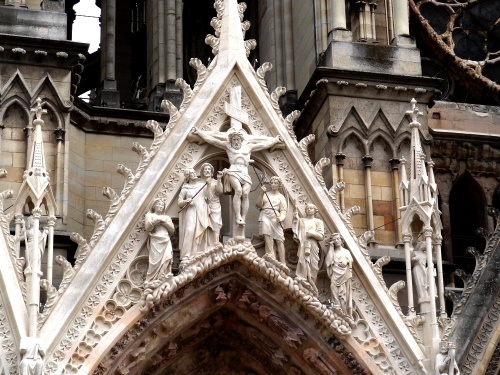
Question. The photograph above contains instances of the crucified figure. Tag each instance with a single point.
(239, 145)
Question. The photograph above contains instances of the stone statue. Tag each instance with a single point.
(32, 356)
(159, 227)
(293, 336)
(212, 191)
(193, 217)
(308, 231)
(239, 145)
(445, 360)
(29, 233)
(315, 358)
(339, 268)
(419, 270)
(273, 208)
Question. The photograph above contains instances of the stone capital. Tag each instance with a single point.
(367, 159)
(428, 231)
(339, 158)
(437, 239)
(407, 237)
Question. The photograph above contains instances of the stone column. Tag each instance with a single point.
(288, 45)
(428, 231)
(161, 32)
(367, 159)
(179, 37)
(339, 157)
(373, 7)
(19, 218)
(50, 249)
(278, 43)
(59, 168)
(361, 7)
(397, 201)
(170, 45)
(108, 95)
(29, 143)
(33, 275)
(338, 29)
(401, 23)
(407, 237)
(2, 127)
(110, 39)
(437, 239)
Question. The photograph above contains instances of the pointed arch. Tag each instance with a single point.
(240, 304)
(379, 146)
(14, 100)
(467, 213)
(403, 147)
(355, 134)
(386, 137)
(17, 77)
(48, 82)
(385, 127)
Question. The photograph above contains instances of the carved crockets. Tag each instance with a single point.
(339, 268)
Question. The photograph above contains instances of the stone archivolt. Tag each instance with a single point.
(237, 305)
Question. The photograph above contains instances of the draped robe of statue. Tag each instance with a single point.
(193, 220)
(214, 210)
(339, 268)
(308, 252)
(30, 246)
(32, 356)
(272, 213)
(159, 227)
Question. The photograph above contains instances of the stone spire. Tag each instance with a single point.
(35, 192)
(420, 205)
(36, 175)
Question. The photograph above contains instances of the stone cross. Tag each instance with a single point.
(38, 110)
(234, 111)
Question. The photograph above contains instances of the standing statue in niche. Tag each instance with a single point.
(29, 233)
(32, 356)
(339, 268)
(239, 145)
(308, 231)
(159, 227)
(212, 191)
(419, 270)
(445, 363)
(193, 217)
(273, 208)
